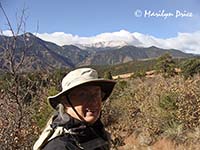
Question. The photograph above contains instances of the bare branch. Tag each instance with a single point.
(7, 19)
(21, 23)
(18, 87)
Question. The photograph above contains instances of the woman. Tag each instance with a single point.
(77, 124)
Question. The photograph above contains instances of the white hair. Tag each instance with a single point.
(61, 111)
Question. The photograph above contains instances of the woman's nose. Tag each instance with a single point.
(93, 101)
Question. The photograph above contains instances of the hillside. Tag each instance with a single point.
(38, 53)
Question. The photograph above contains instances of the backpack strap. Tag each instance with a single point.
(46, 134)
(50, 133)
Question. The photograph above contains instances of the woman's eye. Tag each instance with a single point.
(82, 94)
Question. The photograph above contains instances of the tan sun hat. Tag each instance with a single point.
(82, 76)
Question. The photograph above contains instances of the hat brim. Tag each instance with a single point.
(106, 86)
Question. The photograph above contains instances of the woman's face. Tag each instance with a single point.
(87, 101)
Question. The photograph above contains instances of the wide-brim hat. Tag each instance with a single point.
(79, 77)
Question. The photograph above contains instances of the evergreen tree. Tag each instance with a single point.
(190, 67)
(108, 75)
(166, 65)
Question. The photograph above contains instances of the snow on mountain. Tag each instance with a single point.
(104, 44)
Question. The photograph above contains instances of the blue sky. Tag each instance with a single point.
(89, 18)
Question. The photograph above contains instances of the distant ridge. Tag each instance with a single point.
(48, 55)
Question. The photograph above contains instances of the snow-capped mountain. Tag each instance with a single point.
(103, 44)
(48, 55)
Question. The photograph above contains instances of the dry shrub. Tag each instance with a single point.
(131, 143)
(155, 108)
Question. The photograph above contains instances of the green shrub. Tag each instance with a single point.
(139, 74)
(42, 115)
(121, 84)
(168, 102)
(44, 110)
(166, 65)
(190, 67)
(108, 75)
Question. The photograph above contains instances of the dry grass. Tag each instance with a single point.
(153, 109)
(163, 144)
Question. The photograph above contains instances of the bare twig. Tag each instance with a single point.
(7, 19)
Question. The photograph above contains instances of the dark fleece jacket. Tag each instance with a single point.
(87, 137)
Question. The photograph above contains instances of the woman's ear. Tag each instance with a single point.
(102, 94)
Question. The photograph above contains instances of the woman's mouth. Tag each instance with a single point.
(91, 111)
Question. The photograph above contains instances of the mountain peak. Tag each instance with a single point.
(28, 34)
(103, 44)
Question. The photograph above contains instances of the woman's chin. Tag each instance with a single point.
(91, 118)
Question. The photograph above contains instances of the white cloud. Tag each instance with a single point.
(186, 42)
(62, 38)
(59, 38)
(122, 35)
(6, 33)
